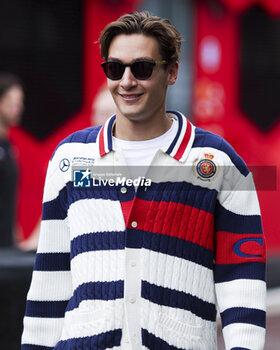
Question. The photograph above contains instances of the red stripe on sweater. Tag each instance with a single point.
(184, 142)
(233, 248)
(126, 208)
(174, 219)
(101, 143)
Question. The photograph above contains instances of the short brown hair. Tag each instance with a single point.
(161, 29)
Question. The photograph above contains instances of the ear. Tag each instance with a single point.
(173, 73)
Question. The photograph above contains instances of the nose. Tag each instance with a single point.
(128, 80)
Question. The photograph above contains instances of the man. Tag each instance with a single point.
(145, 266)
(11, 107)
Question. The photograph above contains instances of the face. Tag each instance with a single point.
(139, 100)
(11, 106)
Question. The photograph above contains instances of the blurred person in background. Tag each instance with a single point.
(11, 108)
(103, 106)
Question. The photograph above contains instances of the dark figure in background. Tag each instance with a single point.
(11, 107)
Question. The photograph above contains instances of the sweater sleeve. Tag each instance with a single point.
(240, 266)
(51, 286)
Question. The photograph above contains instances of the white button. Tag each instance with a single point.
(123, 190)
(134, 224)
(132, 300)
(126, 340)
(132, 263)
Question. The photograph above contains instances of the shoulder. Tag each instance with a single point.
(206, 139)
(85, 136)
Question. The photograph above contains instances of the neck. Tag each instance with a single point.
(132, 130)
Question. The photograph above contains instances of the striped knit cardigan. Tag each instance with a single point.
(197, 231)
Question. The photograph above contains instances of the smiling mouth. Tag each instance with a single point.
(131, 97)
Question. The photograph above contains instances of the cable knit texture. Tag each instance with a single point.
(196, 225)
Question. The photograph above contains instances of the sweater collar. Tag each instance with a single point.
(178, 149)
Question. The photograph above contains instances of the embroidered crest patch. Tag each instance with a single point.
(205, 168)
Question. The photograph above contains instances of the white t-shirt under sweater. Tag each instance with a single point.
(142, 152)
(138, 156)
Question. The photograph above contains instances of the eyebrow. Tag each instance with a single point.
(114, 59)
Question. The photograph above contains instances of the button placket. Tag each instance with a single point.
(133, 295)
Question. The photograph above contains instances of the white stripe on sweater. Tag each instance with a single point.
(57, 178)
(54, 237)
(178, 274)
(100, 214)
(177, 327)
(239, 200)
(241, 293)
(50, 286)
(244, 336)
(98, 266)
(90, 308)
(89, 323)
(38, 330)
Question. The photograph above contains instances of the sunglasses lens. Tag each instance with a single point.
(142, 70)
(114, 70)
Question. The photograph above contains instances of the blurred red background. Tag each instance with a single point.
(215, 102)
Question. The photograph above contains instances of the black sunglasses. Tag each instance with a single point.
(141, 69)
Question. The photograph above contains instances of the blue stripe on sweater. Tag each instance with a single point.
(52, 262)
(87, 135)
(35, 347)
(180, 192)
(180, 124)
(141, 239)
(53, 210)
(106, 340)
(96, 291)
(243, 315)
(97, 241)
(227, 221)
(152, 342)
(109, 132)
(170, 245)
(229, 272)
(50, 309)
(206, 139)
(176, 299)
